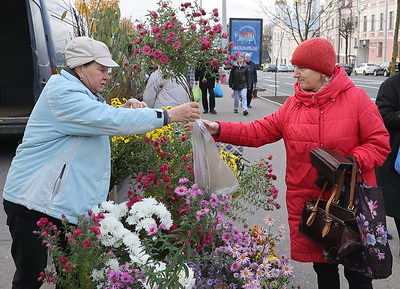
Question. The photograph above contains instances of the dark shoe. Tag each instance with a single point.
(213, 111)
(235, 111)
(245, 112)
(249, 106)
(389, 236)
(206, 111)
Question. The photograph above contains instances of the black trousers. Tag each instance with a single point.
(204, 100)
(249, 96)
(27, 250)
(328, 277)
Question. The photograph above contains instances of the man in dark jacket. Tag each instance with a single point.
(388, 102)
(207, 83)
(253, 77)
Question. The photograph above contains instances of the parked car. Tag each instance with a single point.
(365, 68)
(290, 68)
(384, 69)
(269, 67)
(347, 68)
(282, 68)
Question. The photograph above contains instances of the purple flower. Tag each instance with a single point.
(181, 190)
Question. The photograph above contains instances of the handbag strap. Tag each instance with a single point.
(311, 218)
(350, 206)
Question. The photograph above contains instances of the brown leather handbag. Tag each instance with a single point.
(330, 164)
(330, 226)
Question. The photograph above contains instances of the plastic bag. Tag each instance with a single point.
(196, 93)
(218, 91)
(397, 162)
(211, 173)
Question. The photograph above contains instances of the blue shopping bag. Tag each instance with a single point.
(218, 91)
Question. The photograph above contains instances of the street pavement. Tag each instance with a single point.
(304, 274)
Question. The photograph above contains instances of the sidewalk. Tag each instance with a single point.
(305, 276)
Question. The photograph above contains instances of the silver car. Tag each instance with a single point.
(282, 68)
(365, 68)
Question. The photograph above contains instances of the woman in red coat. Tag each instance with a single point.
(327, 110)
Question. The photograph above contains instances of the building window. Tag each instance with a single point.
(365, 24)
(372, 22)
(380, 47)
(391, 20)
(355, 41)
(381, 21)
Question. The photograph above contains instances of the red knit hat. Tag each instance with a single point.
(316, 54)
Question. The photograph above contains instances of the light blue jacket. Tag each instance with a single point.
(62, 165)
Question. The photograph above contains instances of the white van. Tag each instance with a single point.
(33, 40)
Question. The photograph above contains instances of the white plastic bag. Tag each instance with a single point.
(211, 173)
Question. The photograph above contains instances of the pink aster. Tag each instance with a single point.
(181, 190)
(163, 59)
(246, 273)
(146, 49)
(152, 229)
(176, 45)
(155, 29)
(287, 270)
(226, 237)
(235, 266)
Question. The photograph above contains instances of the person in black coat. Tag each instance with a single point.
(388, 102)
(207, 83)
(240, 82)
(253, 76)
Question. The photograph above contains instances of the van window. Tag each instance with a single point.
(62, 29)
(40, 51)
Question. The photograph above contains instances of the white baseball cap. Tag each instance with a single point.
(82, 50)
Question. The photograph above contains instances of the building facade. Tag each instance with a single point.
(359, 30)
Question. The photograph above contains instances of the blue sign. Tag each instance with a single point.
(246, 34)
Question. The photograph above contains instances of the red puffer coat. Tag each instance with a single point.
(341, 117)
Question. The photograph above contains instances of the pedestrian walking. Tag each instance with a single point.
(206, 82)
(327, 110)
(62, 166)
(240, 82)
(253, 77)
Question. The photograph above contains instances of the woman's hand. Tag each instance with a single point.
(185, 112)
(212, 126)
(134, 103)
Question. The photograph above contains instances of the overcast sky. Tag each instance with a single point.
(137, 9)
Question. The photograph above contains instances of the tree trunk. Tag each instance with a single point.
(395, 40)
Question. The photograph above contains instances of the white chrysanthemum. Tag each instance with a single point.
(98, 275)
(164, 215)
(141, 209)
(132, 242)
(145, 223)
(187, 281)
(141, 258)
(132, 219)
(113, 264)
(108, 206)
(109, 224)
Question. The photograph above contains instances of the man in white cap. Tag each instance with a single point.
(62, 166)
